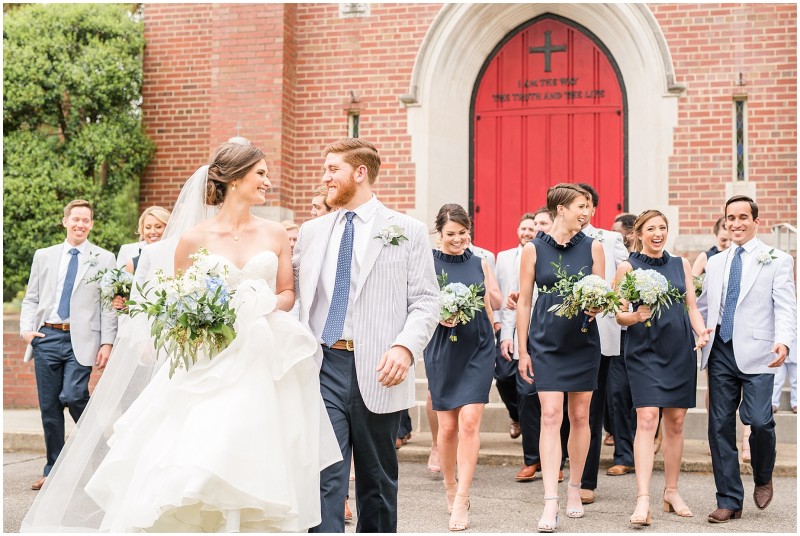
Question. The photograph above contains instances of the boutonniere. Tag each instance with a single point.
(93, 259)
(392, 235)
(766, 257)
(599, 236)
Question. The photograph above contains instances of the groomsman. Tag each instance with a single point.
(615, 253)
(505, 365)
(367, 288)
(749, 297)
(64, 325)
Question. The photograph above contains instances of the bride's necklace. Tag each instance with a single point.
(235, 234)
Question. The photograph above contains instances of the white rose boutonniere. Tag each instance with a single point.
(93, 259)
(766, 257)
(599, 236)
(392, 235)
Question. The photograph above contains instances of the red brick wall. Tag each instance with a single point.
(710, 44)
(19, 381)
(284, 75)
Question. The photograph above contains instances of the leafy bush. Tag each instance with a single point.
(72, 77)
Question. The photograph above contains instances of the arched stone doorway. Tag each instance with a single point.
(455, 49)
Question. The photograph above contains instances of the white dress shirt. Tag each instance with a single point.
(362, 223)
(748, 263)
(63, 265)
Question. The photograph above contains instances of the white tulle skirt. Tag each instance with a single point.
(234, 443)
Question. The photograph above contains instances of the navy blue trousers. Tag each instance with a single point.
(623, 416)
(370, 438)
(505, 379)
(61, 382)
(727, 386)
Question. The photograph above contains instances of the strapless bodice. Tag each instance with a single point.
(262, 265)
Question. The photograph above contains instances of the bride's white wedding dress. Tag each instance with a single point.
(234, 443)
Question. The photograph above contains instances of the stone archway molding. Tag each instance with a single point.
(450, 57)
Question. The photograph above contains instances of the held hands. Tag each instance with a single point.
(782, 351)
(394, 365)
(28, 336)
(506, 349)
(703, 338)
(102, 356)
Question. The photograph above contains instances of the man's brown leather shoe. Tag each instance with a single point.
(527, 473)
(514, 431)
(587, 496)
(618, 470)
(723, 515)
(762, 495)
(348, 515)
(36, 486)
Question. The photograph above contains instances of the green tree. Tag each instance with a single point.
(72, 78)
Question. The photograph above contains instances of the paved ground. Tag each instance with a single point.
(501, 505)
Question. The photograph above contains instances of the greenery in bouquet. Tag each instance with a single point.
(650, 288)
(589, 292)
(191, 313)
(698, 284)
(111, 283)
(458, 302)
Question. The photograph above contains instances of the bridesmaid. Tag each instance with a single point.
(460, 373)
(661, 362)
(564, 359)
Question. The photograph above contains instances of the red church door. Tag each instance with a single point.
(548, 107)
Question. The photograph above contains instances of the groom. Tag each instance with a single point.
(367, 288)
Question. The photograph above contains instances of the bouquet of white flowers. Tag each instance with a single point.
(648, 287)
(113, 282)
(590, 292)
(191, 312)
(458, 302)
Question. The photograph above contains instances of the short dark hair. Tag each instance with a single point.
(719, 224)
(626, 220)
(746, 199)
(542, 210)
(529, 216)
(592, 192)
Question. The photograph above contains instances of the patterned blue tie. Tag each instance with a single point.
(732, 296)
(334, 324)
(69, 282)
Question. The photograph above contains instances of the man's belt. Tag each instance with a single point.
(62, 327)
(344, 345)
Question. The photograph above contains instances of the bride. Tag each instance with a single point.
(235, 443)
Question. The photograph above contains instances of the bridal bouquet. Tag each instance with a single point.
(112, 282)
(581, 293)
(191, 312)
(648, 287)
(458, 302)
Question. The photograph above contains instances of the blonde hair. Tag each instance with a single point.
(643, 218)
(159, 213)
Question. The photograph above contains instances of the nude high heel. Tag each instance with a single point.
(574, 512)
(642, 521)
(543, 525)
(450, 492)
(670, 507)
(459, 523)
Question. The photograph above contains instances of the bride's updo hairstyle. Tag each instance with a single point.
(229, 162)
(563, 194)
(452, 212)
(643, 218)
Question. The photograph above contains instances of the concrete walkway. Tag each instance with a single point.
(22, 432)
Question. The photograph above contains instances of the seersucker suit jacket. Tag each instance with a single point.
(91, 325)
(396, 299)
(766, 311)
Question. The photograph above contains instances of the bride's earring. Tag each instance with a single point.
(233, 185)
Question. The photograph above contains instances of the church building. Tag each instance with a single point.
(668, 106)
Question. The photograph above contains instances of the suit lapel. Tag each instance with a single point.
(84, 266)
(374, 247)
(51, 277)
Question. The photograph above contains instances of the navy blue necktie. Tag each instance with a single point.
(732, 296)
(69, 282)
(334, 324)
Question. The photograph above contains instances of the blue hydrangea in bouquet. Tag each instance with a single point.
(458, 302)
(112, 282)
(650, 288)
(582, 293)
(191, 312)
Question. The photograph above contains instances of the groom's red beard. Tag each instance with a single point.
(344, 193)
